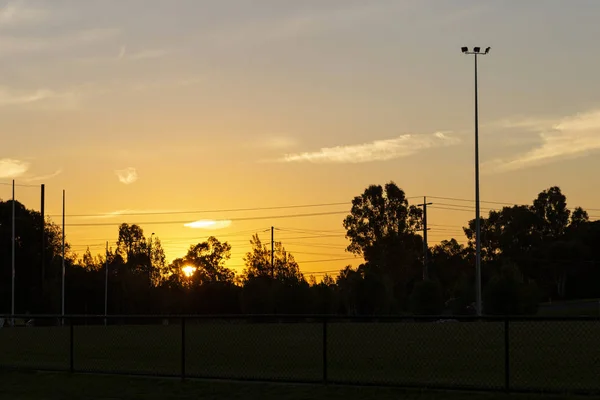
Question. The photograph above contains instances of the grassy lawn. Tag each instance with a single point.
(55, 386)
(543, 355)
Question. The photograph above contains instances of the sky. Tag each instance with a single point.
(167, 107)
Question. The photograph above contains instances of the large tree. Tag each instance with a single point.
(35, 286)
(378, 214)
(258, 263)
(209, 259)
(382, 227)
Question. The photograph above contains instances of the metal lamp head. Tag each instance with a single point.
(464, 49)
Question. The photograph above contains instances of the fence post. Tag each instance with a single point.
(506, 355)
(182, 348)
(325, 350)
(71, 347)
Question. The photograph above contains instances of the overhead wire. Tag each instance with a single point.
(119, 214)
(232, 219)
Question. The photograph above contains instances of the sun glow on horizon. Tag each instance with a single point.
(188, 270)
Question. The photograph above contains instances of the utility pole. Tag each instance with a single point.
(425, 245)
(477, 52)
(43, 253)
(272, 253)
(106, 285)
(63, 260)
(12, 307)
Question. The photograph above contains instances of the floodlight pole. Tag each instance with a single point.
(476, 51)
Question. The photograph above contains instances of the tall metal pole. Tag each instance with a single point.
(272, 253)
(106, 285)
(477, 52)
(12, 307)
(43, 252)
(63, 259)
(477, 211)
(425, 245)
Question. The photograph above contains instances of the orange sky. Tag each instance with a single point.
(203, 105)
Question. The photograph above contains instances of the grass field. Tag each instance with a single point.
(543, 355)
(62, 386)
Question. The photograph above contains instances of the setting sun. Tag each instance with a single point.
(188, 270)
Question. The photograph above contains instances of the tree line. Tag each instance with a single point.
(530, 253)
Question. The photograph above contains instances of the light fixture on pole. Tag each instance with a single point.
(477, 52)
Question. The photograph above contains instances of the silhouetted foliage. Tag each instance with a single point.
(426, 298)
(530, 253)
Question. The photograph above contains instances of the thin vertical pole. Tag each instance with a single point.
(506, 355)
(63, 259)
(272, 253)
(43, 252)
(182, 348)
(12, 307)
(106, 286)
(477, 211)
(325, 350)
(425, 245)
(71, 347)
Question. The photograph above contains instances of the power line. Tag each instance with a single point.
(340, 231)
(109, 215)
(506, 203)
(310, 261)
(233, 219)
(18, 184)
(169, 239)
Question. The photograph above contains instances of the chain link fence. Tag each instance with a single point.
(516, 354)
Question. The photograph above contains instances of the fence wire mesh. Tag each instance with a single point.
(128, 345)
(418, 353)
(266, 350)
(556, 355)
(42, 344)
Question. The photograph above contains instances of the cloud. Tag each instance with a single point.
(127, 175)
(209, 224)
(278, 142)
(378, 150)
(10, 168)
(10, 97)
(16, 13)
(303, 23)
(45, 177)
(26, 44)
(119, 213)
(122, 52)
(148, 54)
(140, 55)
(565, 138)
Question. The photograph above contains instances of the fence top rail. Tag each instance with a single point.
(317, 317)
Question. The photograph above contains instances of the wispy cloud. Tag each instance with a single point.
(10, 168)
(9, 97)
(209, 224)
(27, 44)
(127, 176)
(45, 177)
(119, 213)
(16, 13)
(141, 55)
(303, 23)
(378, 150)
(277, 142)
(564, 138)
